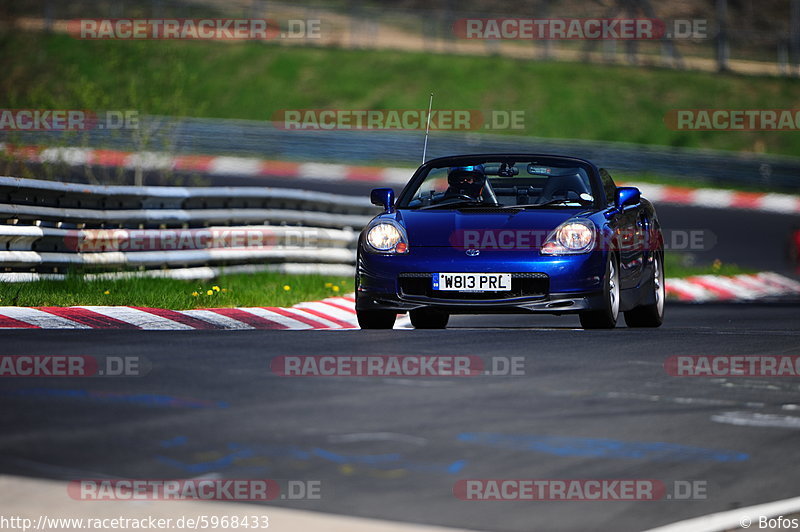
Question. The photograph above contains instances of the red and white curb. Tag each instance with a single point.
(743, 287)
(206, 164)
(339, 312)
(254, 167)
(330, 313)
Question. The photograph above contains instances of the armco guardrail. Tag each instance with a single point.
(250, 138)
(52, 227)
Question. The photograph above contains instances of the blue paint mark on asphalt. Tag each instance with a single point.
(177, 441)
(282, 451)
(370, 459)
(142, 399)
(206, 467)
(456, 467)
(241, 452)
(601, 447)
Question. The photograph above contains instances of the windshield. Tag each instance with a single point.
(499, 184)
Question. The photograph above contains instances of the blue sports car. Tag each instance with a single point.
(479, 234)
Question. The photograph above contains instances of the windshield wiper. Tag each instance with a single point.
(549, 204)
(459, 202)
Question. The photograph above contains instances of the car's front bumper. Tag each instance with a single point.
(563, 284)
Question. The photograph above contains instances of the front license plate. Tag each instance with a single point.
(472, 282)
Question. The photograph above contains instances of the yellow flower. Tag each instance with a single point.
(107, 292)
(215, 288)
(224, 290)
(210, 293)
(716, 265)
(195, 294)
(335, 288)
(286, 287)
(328, 285)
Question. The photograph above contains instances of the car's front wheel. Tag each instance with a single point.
(376, 319)
(651, 315)
(606, 317)
(429, 319)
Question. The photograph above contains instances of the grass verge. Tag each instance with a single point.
(254, 80)
(679, 265)
(251, 290)
(254, 290)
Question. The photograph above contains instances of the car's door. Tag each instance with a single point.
(630, 227)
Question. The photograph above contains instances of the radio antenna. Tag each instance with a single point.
(427, 129)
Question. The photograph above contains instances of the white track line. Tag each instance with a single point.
(733, 519)
(756, 419)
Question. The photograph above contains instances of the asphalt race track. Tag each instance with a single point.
(590, 404)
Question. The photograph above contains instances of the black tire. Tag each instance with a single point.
(651, 315)
(376, 319)
(429, 319)
(605, 318)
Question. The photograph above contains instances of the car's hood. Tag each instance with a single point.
(437, 228)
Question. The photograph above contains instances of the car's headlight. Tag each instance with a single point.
(387, 238)
(571, 237)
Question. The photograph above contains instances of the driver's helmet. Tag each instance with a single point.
(467, 180)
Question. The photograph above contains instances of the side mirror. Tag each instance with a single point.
(383, 197)
(627, 197)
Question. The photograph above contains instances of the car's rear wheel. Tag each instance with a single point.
(606, 317)
(651, 315)
(429, 319)
(376, 319)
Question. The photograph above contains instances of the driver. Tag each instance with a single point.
(466, 181)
